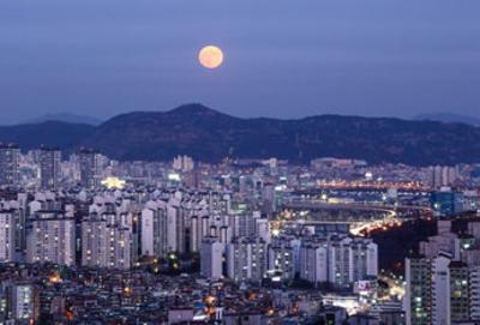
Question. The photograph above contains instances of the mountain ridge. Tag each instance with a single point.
(210, 135)
(446, 117)
(65, 117)
(51, 133)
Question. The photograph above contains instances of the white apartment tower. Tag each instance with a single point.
(427, 293)
(107, 241)
(7, 236)
(211, 258)
(246, 259)
(281, 258)
(339, 260)
(314, 262)
(154, 230)
(51, 238)
(22, 303)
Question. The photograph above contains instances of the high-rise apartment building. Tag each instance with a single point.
(50, 172)
(7, 235)
(9, 165)
(441, 289)
(364, 254)
(443, 281)
(247, 259)
(474, 292)
(22, 303)
(281, 258)
(175, 229)
(428, 292)
(154, 230)
(211, 258)
(459, 292)
(314, 262)
(340, 260)
(418, 291)
(107, 241)
(183, 163)
(443, 176)
(90, 168)
(51, 237)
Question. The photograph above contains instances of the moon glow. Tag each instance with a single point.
(210, 57)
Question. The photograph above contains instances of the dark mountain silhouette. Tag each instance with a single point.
(209, 135)
(448, 118)
(58, 134)
(66, 117)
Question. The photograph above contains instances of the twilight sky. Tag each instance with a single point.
(283, 58)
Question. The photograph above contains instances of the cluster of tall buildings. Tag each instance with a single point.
(183, 163)
(443, 280)
(334, 259)
(48, 161)
(441, 176)
(113, 229)
(339, 259)
(225, 220)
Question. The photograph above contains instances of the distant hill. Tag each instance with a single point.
(209, 135)
(448, 118)
(67, 117)
(52, 133)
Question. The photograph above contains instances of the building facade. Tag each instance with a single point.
(9, 165)
(50, 168)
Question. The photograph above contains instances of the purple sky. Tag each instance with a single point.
(283, 58)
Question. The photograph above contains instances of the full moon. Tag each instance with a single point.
(211, 57)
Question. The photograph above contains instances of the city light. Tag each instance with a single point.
(113, 183)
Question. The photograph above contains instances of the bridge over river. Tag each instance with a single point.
(359, 218)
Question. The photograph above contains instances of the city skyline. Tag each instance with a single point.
(239, 163)
(91, 226)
